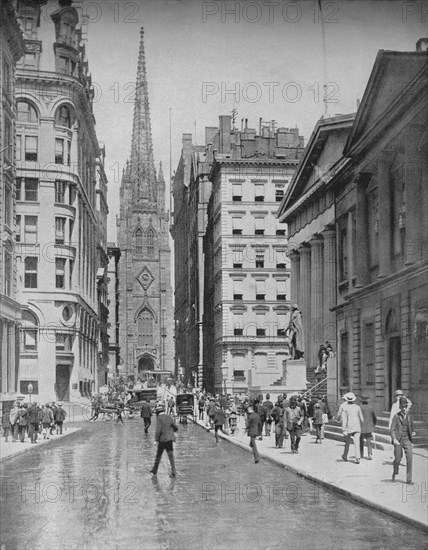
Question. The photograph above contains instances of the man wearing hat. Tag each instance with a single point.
(396, 406)
(252, 427)
(402, 437)
(60, 415)
(367, 427)
(165, 430)
(293, 419)
(352, 418)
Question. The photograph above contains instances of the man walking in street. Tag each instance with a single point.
(14, 417)
(33, 422)
(146, 415)
(367, 427)
(352, 418)
(165, 437)
(253, 431)
(268, 406)
(60, 416)
(47, 419)
(402, 437)
(396, 406)
(293, 419)
(219, 420)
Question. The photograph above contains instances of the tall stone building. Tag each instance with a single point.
(57, 225)
(145, 313)
(11, 50)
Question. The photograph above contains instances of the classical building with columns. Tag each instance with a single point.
(369, 243)
(309, 210)
(381, 198)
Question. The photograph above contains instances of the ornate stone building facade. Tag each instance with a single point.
(11, 50)
(60, 227)
(145, 312)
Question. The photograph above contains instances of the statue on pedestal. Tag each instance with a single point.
(295, 333)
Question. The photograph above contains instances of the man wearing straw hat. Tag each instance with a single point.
(352, 418)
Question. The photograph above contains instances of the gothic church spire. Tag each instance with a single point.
(142, 176)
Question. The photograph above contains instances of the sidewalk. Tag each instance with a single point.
(368, 482)
(9, 449)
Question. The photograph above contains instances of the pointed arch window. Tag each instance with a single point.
(139, 241)
(150, 242)
(145, 329)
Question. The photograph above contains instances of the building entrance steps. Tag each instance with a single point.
(369, 482)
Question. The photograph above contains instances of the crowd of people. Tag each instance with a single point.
(31, 420)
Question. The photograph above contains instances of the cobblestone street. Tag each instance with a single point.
(93, 490)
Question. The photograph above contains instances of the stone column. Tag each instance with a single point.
(413, 166)
(294, 276)
(305, 296)
(329, 287)
(384, 201)
(317, 294)
(362, 243)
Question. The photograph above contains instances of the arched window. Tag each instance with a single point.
(63, 116)
(150, 242)
(139, 241)
(30, 326)
(26, 112)
(145, 328)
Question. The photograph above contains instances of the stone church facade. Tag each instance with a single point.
(145, 293)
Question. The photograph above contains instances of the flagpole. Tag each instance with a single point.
(324, 61)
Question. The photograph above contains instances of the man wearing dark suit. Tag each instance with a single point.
(165, 428)
(253, 421)
(402, 436)
(146, 415)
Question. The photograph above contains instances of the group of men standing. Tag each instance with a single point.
(29, 419)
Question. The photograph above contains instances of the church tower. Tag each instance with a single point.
(145, 293)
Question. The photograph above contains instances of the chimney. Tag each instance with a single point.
(225, 127)
(422, 45)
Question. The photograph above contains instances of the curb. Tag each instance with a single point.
(327, 485)
(71, 431)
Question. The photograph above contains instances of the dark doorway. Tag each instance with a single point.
(394, 367)
(145, 363)
(62, 383)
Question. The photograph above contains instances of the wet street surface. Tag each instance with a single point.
(93, 490)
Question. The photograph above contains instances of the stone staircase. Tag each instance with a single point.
(333, 430)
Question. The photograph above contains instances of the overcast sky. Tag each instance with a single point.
(197, 53)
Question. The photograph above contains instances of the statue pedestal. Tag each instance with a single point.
(295, 375)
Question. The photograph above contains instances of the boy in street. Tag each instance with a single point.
(402, 437)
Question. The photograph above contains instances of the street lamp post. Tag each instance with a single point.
(30, 389)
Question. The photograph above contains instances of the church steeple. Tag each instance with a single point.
(142, 173)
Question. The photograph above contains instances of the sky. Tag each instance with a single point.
(263, 58)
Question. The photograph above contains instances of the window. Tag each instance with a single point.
(63, 116)
(238, 291)
(238, 324)
(59, 151)
(343, 250)
(238, 254)
(70, 275)
(139, 241)
(239, 375)
(26, 112)
(63, 341)
(150, 242)
(8, 141)
(7, 79)
(344, 369)
(18, 150)
(145, 329)
(59, 272)
(8, 205)
(281, 292)
(369, 355)
(260, 329)
(280, 259)
(31, 148)
(237, 192)
(30, 229)
(70, 232)
(260, 290)
(259, 192)
(8, 273)
(27, 189)
(281, 324)
(18, 229)
(259, 226)
(280, 232)
(260, 259)
(30, 274)
(66, 65)
(59, 230)
(60, 187)
(237, 225)
(279, 193)
(30, 326)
